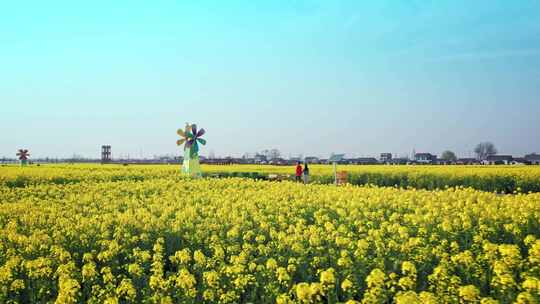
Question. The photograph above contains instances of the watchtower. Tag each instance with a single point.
(105, 154)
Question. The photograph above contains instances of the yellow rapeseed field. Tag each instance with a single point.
(501, 179)
(112, 234)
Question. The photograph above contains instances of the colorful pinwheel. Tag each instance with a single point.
(191, 138)
(23, 154)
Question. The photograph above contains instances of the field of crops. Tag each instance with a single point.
(500, 179)
(91, 234)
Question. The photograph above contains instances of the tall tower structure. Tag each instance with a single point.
(105, 154)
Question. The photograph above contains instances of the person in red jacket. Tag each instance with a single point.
(298, 172)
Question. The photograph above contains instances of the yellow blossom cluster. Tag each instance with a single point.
(165, 239)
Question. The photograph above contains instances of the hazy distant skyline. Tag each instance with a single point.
(305, 77)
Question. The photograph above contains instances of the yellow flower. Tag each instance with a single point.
(126, 290)
(303, 292)
(408, 268)
(531, 284)
(283, 299)
(182, 257)
(199, 257)
(282, 275)
(409, 297)
(211, 278)
(376, 278)
(346, 285)
(327, 277)
(271, 264)
(525, 298)
(469, 293)
(185, 280)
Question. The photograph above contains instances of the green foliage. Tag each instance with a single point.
(449, 156)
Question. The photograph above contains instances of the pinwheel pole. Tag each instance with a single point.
(23, 157)
(191, 138)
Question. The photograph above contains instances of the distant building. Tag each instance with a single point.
(363, 161)
(311, 159)
(425, 158)
(260, 159)
(224, 161)
(247, 160)
(498, 160)
(440, 161)
(520, 161)
(398, 161)
(467, 161)
(278, 161)
(534, 158)
(106, 154)
(385, 157)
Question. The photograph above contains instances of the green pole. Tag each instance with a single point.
(335, 173)
(191, 165)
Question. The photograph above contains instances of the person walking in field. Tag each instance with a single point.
(306, 173)
(298, 171)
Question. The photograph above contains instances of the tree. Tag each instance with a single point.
(485, 149)
(449, 156)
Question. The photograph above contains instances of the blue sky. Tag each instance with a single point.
(309, 77)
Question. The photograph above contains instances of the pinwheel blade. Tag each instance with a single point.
(181, 133)
(194, 129)
(187, 128)
(201, 141)
(201, 132)
(180, 141)
(189, 143)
